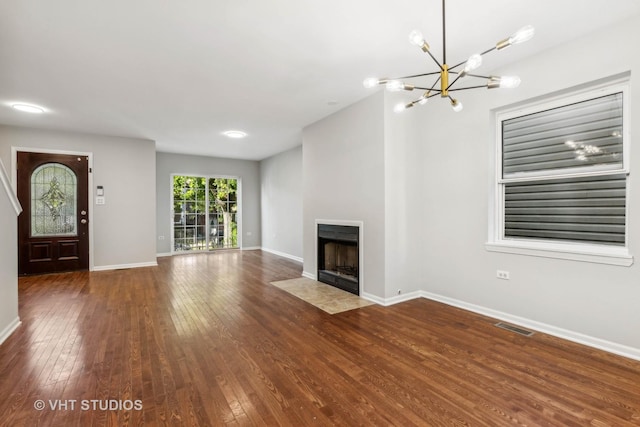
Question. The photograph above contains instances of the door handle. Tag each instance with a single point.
(83, 221)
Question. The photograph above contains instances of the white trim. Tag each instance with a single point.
(90, 193)
(283, 254)
(380, 301)
(11, 327)
(125, 266)
(310, 275)
(248, 248)
(351, 223)
(608, 346)
(597, 170)
(585, 253)
(392, 300)
(9, 189)
(577, 337)
(163, 254)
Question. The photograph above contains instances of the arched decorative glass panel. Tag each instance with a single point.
(54, 197)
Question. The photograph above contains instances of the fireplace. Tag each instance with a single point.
(338, 256)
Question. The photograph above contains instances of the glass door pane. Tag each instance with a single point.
(223, 209)
(189, 213)
(53, 201)
(205, 213)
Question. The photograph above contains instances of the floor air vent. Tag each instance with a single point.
(515, 329)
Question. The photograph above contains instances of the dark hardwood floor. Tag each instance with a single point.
(205, 340)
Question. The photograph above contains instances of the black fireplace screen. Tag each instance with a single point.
(338, 256)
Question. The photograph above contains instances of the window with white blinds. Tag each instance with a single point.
(574, 137)
(562, 175)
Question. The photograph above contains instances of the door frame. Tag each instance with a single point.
(90, 190)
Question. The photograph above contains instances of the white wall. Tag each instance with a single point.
(281, 202)
(247, 170)
(9, 319)
(404, 187)
(343, 164)
(444, 197)
(123, 228)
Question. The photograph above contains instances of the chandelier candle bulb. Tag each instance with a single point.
(394, 85)
(399, 108)
(370, 82)
(522, 35)
(416, 38)
(473, 62)
(510, 82)
(456, 105)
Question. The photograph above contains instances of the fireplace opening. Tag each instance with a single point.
(338, 257)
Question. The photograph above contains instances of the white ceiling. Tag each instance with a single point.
(180, 72)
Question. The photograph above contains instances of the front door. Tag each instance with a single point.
(53, 230)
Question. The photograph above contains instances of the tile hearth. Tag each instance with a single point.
(325, 297)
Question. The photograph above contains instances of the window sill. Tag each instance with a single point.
(585, 253)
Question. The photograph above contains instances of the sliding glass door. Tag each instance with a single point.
(205, 213)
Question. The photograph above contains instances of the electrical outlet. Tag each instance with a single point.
(501, 274)
(160, 237)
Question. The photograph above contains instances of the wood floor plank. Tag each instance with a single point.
(205, 340)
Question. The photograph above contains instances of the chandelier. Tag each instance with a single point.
(460, 72)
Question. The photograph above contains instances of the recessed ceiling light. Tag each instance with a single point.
(234, 134)
(28, 108)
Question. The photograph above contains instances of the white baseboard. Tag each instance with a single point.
(163, 254)
(393, 300)
(577, 337)
(283, 254)
(309, 275)
(123, 266)
(251, 248)
(6, 332)
(608, 346)
(373, 298)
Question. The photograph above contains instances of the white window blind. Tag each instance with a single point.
(563, 177)
(580, 135)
